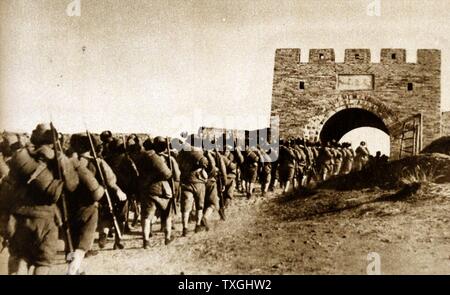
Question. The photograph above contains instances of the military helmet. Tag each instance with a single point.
(106, 136)
(116, 145)
(42, 134)
(10, 143)
(148, 144)
(133, 143)
(80, 143)
(159, 144)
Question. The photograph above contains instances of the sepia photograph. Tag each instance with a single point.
(214, 137)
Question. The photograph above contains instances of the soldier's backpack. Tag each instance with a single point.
(155, 166)
(238, 156)
(89, 181)
(230, 165)
(4, 168)
(32, 169)
(252, 157)
(192, 160)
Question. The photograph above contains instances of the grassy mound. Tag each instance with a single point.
(440, 145)
(423, 168)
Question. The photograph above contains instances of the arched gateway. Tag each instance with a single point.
(349, 112)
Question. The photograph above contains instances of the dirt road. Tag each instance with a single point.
(325, 232)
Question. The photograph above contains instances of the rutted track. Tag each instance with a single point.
(327, 232)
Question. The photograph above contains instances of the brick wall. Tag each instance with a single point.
(445, 131)
(303, 112)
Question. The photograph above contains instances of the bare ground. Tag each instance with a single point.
(320, 232)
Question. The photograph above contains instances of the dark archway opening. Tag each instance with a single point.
(347, 120)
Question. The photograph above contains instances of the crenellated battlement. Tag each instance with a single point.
(321, 55)
(357, 56)
(292, 56)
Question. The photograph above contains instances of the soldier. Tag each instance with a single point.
(362, 156)
(193, 165)
(315, 165)
(106, 137)
(265, 172)
(170, 155)
(155, 193)
(217, 177)
(326, 161)
(250, 169)
(337, 153)
(10, 143)
(316, 149)
(8, 146)
(162, 148)
(127, 177)
(126, 174)
(31, 191)
(310, 164)
(377, 158)
(300, 166)
(274, 173)
(286, 166)
(4, 169)
(83, 203)
(348, 155)
(240, 167)
(133, 149)
(232, 159)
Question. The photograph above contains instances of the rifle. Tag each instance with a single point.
(128, 156)
(172, 184)
(102, 178)
(136, 171)
(315, 171)
(65, 213)
(220, 186)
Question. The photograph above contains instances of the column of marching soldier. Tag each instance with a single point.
(50, 188)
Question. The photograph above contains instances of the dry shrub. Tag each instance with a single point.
(420, 174)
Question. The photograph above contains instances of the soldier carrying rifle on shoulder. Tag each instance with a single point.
(31, 191)
(96, 180)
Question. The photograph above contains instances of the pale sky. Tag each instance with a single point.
(167, 66)
(376, 140)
